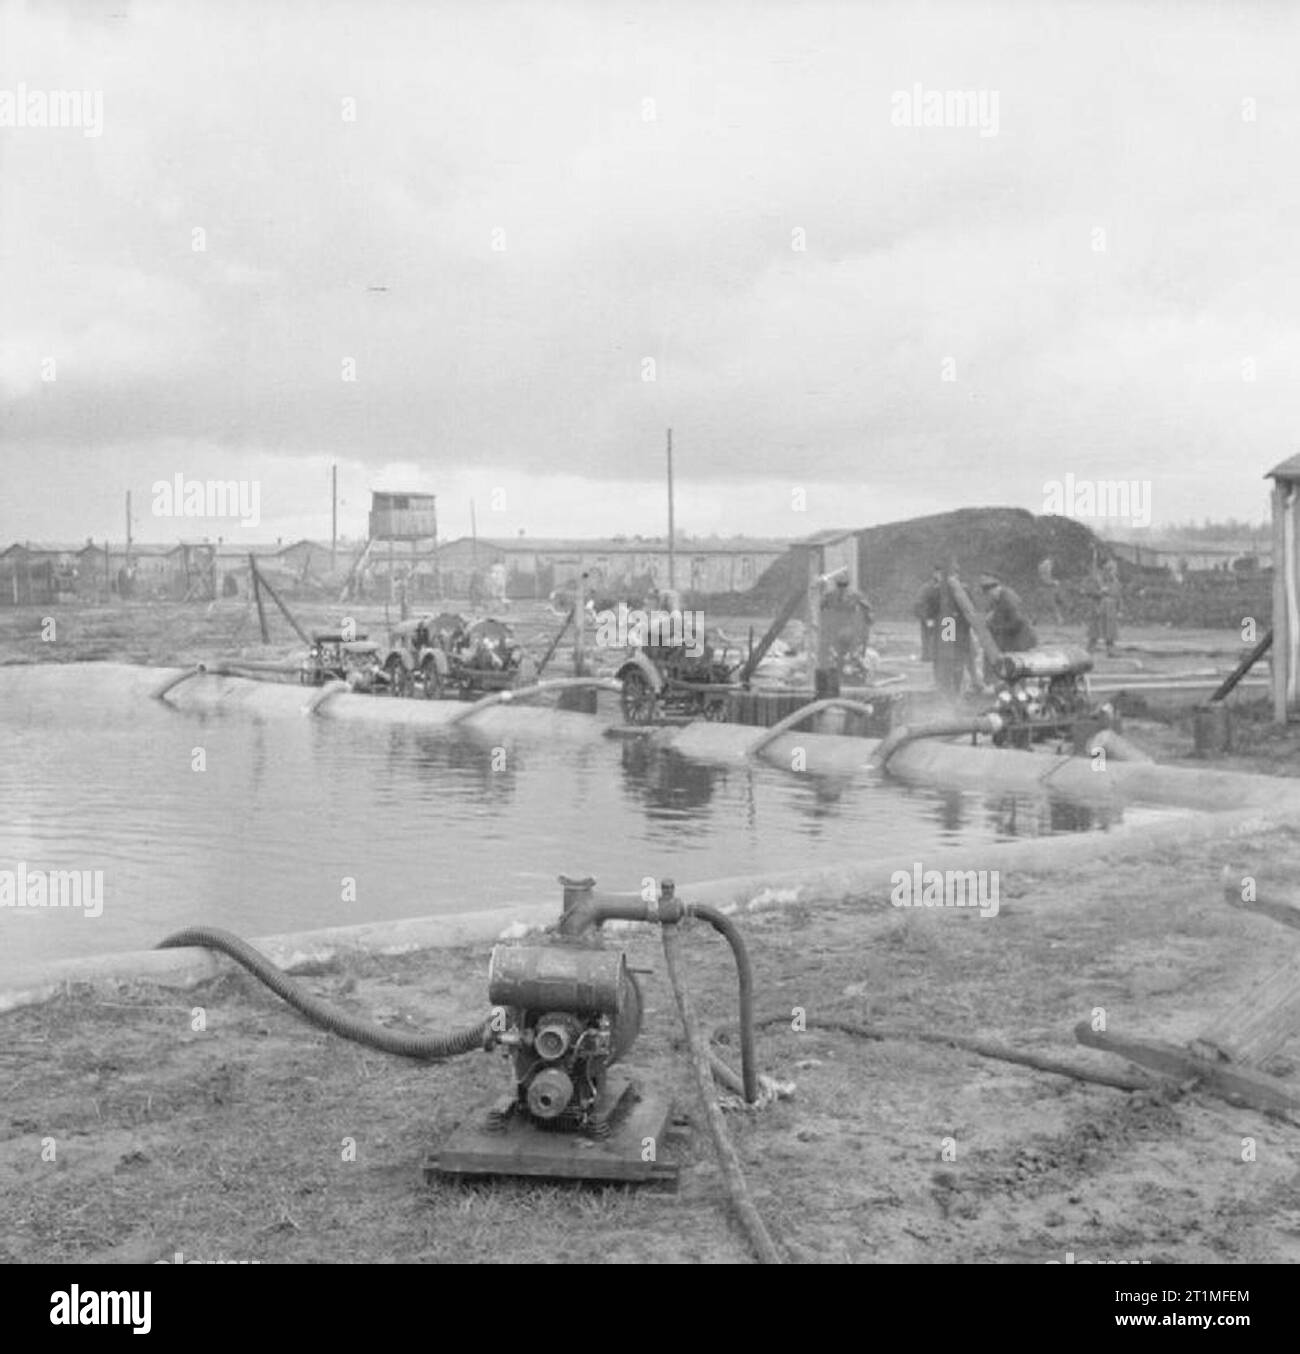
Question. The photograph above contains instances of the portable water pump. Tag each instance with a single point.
(567, 1010)
(1043, 694)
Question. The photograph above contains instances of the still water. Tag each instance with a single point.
(264, 838)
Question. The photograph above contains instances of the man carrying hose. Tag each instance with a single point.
(1006, 618)
(953, 652)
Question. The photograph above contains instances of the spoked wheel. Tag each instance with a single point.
(638, 699)
(430, 679)
(398, 678)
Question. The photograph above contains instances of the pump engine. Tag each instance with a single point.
(1043, 694)
(567, 1010)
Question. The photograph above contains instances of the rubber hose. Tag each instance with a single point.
(745, 977)
(760, 1239)
(319, 1012)
(946, 728)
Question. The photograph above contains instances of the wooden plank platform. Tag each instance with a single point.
(520, 1148)
(1235, 1083)
(1227, 1055)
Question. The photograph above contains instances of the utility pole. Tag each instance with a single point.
(334, 515)
(579, 630)
(672, 541)
(128, 529)
(473, 537)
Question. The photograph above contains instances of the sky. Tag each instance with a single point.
(494, 252)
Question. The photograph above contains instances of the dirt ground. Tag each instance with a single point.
(230, 1143)
(161, 633)
(126, 1134)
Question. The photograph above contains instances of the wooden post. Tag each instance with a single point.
(284, 610)
(672, 535)
(1229, 683)
(813, 639)
(580, 627)
(1282, 639)
(256, 579)
(555, 643)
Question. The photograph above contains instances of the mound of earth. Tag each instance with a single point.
(894, 560)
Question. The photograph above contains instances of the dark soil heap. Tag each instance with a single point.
(894, 560)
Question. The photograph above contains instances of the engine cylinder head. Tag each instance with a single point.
(554, 1037)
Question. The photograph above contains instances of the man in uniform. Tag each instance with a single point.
(845, 630)
(1103, 593)
(1049, 581)
(928, 610)
(1006, 618)
(945, 633)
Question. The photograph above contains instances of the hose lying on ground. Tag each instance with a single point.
(738, 1192)
(985, 1048)
(320, 1012)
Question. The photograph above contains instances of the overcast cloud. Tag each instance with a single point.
(648, 171)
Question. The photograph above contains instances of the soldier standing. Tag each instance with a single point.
(928, 610)
(1049, 580)
(845, 631)
(1104, 594)
(954, 654)
(1112, 596)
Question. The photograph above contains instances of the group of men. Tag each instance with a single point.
(946, 631)
(946, 639)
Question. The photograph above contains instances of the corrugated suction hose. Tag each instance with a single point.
(428, 1046)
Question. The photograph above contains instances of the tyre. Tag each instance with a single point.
(398, 678)
(430, 679)
(638, 699)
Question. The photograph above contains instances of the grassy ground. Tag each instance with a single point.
(127, 1134)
